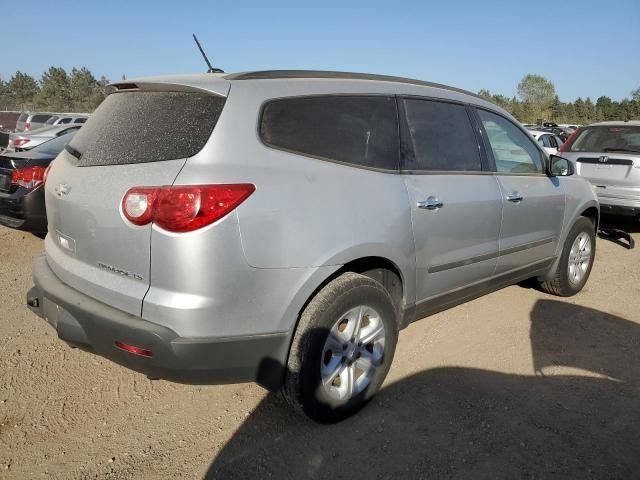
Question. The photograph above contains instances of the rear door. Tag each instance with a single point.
(455, 202)
(533, 203)
(135, 138)
(609, 156)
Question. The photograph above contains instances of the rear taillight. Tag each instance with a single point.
(183, 208)
(565, 146)
(28, 178)
(20, 142)
(27, 126)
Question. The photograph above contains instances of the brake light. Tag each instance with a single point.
(183, 208)
(565, 146)
(27, 126)
(28, 178)
(20, 142)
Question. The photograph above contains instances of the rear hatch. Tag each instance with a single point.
(139, 136)
(609, 157)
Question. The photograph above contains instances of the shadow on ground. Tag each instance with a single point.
(578, 417)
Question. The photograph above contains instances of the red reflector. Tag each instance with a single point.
(135, 350)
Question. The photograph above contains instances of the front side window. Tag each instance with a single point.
(440, 137)
(358, 130)
(512, 149)
(40, 118)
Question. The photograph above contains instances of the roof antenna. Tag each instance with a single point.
(211, 69)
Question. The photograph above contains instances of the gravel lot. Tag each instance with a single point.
(517, 384)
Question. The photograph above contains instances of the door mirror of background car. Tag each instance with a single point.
(561, 167)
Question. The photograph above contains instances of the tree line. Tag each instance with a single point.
(537, 100)
(80, 91)
(55, 91)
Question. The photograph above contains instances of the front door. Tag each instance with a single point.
(533, 202)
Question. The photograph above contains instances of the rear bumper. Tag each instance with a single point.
(95, 326)
(24, 211)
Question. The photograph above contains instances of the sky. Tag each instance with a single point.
(585, 48)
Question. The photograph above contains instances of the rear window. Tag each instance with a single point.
(358, 130)
(140, 127)
(23, 117)
(54, 146)
(41, 118)
(607, 139)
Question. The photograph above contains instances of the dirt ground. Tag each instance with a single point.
(517, 384)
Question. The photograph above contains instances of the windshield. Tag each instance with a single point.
(607, 139)
(55, 145)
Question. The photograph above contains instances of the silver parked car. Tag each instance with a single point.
(608, 155)
(283, 226)
(28, 121)
(62, 119)
(19, 142)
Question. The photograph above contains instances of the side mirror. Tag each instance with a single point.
(560, 167)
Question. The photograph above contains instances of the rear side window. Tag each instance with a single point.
(51, 121)
(140, 127)
(64, 120)
(40, 118)
(23, 117)
(358, 130)
(440, 137)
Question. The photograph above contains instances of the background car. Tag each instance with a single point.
(550, 142)
(26, 141)
(21, 178)
(60, 119)
(28, 121)
(608, 155)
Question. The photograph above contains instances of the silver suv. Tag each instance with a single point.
(282, 227)
(608, 155)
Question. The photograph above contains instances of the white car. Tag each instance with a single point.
(550, 142)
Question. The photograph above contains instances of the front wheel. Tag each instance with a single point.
(342, 349)
(576, 260)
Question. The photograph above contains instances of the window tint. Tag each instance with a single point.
(139, 127)
(440, 137)
(40, 118)
(359, 130)
(80, 120)
(64, 120)
(512, 150)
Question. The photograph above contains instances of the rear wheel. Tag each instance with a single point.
(576, 260)
(342, 349)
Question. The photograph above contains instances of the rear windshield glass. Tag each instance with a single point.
(361, 131)
(607, 139)
(23, 116)
(140, 127)
(55, 146)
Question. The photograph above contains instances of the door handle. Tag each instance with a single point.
(515, 197)
(431, 203)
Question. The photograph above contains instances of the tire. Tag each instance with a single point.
(323, 349)
(565, 282)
